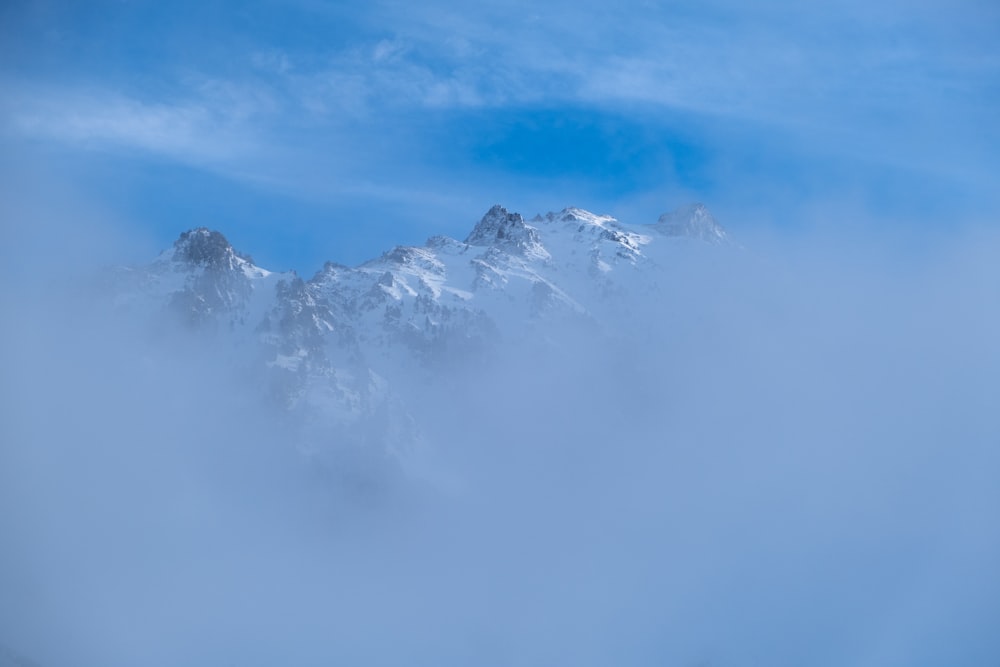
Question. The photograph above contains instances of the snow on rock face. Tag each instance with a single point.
(217, 280)
(209, 250)
(500, 227)
(573, 214)
(320, 345)
(201, 281)
(505, 274)
(693, 222)
(205, 247)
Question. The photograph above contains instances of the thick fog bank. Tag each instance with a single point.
(787, 455)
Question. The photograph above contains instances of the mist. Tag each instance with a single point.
(782, 454)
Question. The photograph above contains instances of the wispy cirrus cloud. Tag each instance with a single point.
(531, 103)
(851, 70)
(195, 130)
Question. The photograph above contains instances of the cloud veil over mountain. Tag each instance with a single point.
(562, 439)
(502, 333)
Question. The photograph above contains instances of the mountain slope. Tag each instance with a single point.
(343, 350)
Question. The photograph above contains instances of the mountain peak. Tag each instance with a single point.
(207, 248)
(575, 214)
(694, 222)
(202, 246)
(501, 226)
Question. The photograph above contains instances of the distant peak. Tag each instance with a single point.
(501, 226)
(692, 221)
(207, 248)
(575, 214)
(493, 223)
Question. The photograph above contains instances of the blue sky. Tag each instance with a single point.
(309, 130)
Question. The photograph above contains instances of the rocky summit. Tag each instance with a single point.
(345, 348)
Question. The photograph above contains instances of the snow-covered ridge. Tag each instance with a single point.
(338, 345)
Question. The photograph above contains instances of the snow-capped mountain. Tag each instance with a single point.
(343, 349)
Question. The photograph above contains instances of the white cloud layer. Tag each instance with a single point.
(786, 457)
